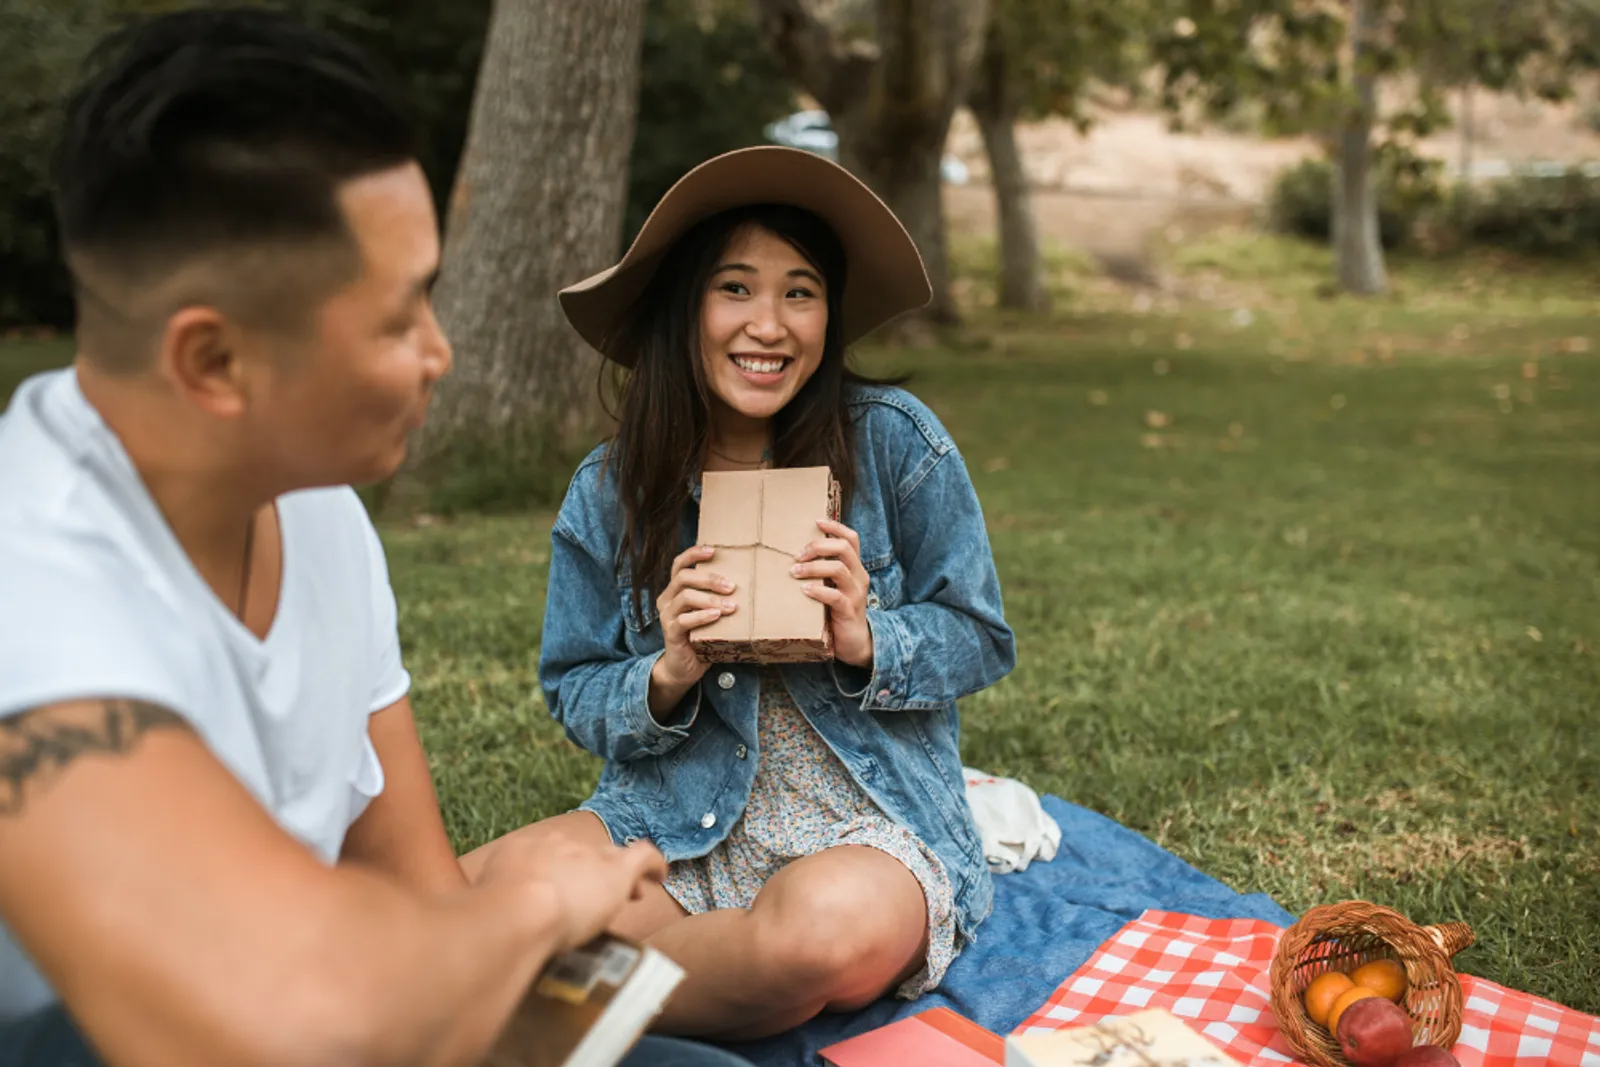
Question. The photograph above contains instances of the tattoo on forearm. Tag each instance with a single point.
(37, 745)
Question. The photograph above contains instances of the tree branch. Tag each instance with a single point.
(835, 71)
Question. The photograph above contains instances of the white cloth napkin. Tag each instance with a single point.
(1015, 828)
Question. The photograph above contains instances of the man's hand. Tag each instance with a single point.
(588, 883)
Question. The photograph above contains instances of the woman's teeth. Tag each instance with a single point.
(759, 366)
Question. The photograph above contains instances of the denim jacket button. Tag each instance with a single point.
(708, 820)
(630, 840)
(741, 752)
(884, 694)
(725, 679)
(872, 601)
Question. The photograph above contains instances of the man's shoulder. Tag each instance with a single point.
(41, 475)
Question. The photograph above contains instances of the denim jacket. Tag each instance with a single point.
(938, 634)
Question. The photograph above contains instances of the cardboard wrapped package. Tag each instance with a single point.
(759, 521)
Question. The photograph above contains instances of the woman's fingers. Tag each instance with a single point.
(689, 557)
(689, 600)
(710, 581)
(828, 548)
(841, 531)
(694, 620)
(833, 570)
(837, 599)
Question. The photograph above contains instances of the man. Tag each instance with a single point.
(219, 841)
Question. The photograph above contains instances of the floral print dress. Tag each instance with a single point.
(803, 801)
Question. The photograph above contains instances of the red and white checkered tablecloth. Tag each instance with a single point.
(1213, 974)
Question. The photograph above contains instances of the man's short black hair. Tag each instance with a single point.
(211, 129)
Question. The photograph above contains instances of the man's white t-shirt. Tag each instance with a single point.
(97, 599)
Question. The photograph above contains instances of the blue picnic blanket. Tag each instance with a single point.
(1047, 922)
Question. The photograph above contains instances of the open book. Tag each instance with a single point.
(1153, 1038)
(588, 1007)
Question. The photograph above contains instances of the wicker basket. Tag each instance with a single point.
(1341, 937)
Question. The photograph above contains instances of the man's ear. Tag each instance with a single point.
(200, 355)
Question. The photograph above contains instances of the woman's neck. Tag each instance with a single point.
(737, 442)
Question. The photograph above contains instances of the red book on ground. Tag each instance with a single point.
(934, 1038)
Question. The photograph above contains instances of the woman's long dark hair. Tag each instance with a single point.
(663, 405)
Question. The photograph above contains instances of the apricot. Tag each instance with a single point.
(1373, 1032)
(1387, 977)
(1322, 992)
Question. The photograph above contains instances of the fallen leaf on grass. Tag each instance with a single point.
(1336, 401)
(1236, 430)
(1183, 342)
(1099, 398)
(1153, 440)
(1530, 371)
(998, 463)
(1576, 344)
(1157, 419)
(1161, 367)
(1535, 633)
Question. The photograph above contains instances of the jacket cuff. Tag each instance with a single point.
(886, 688)
(652, 737)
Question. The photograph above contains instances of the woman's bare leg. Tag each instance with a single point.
(831, 931)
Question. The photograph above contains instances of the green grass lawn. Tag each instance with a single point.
(1309, 596)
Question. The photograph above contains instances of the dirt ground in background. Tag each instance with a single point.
(1106, 192)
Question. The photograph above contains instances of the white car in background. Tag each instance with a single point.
(813, 131)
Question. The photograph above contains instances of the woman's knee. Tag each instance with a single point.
(583, 825)
(844, 934)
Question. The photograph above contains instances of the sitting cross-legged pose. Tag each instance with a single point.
(821, 850)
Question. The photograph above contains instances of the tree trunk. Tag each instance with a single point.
(538, 204)
(891, 103)
(1358, 248)
(993, 103)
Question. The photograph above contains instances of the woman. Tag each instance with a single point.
(822, 850)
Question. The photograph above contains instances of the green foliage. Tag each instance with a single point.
(1284, 55)
(1216, 55)
(1054, 50)
(1556, 216)
(47, 41)
(707, 85)
(1301, 200)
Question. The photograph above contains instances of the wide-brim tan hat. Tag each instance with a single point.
(886, 276)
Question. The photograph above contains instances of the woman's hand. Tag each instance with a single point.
(836, 558)
(692, 599)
